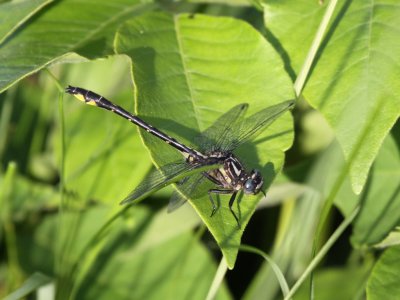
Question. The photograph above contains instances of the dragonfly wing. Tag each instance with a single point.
(213, 137)
(253, 125)
(186, 191)
(164, 176)
(176, 201)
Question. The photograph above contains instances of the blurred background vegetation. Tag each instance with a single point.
(65, 168)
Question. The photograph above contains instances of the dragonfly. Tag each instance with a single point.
(214, 161)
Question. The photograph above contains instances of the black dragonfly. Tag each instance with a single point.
(214, 161)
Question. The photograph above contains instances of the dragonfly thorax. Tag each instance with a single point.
(233, 176)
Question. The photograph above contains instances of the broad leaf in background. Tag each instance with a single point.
(62, 27)
(379, 201)
(380, 211)
(337, 279)
(189, 70)
(383, 282)
(134, 254)
(378, 216)
(354, 82)
(293, 244)
(14, 14)
(179, 268)
(291, 26)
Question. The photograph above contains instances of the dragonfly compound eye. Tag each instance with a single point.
(254, 183)
(250, 186)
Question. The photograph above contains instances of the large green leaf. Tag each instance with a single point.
(380, 201)
(380, 211)
(14, 14)
(383, 282)
(188, 70)
(291, 26)
(62, 27)
(355, 79)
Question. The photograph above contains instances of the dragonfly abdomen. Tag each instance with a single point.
(92, 98)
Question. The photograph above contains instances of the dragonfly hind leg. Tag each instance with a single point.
(231, 201)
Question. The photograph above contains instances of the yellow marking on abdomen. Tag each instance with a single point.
(91, 102)
(82, 98)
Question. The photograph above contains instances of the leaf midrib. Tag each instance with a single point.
(188, 80)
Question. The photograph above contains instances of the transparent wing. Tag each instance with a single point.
(164, 176)
(177, 198)
(213, 137)
(187, 190)
(176, 201)
(253, 125)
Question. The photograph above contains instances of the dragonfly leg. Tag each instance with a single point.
(214, 207)
(216, 191)
(231, 201)
(212, 179)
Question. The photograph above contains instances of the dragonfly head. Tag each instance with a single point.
(254, 183)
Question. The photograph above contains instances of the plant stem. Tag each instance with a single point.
(324, 250)
(305, 69)
(219, 276)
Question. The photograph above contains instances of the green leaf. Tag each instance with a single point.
(31, 284)
(299, 216)
(23, 191)
(62, 27)
(227, 2)
(172, 261)
(380, 200)
(383, 282)
(291, 26)
(14, 14)
(179, 268)
(380, 210)
(355, 80)
(183, 220)
(334, 283)
(189, 70)
(391, 240)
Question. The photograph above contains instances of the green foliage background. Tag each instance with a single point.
(65, 167)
